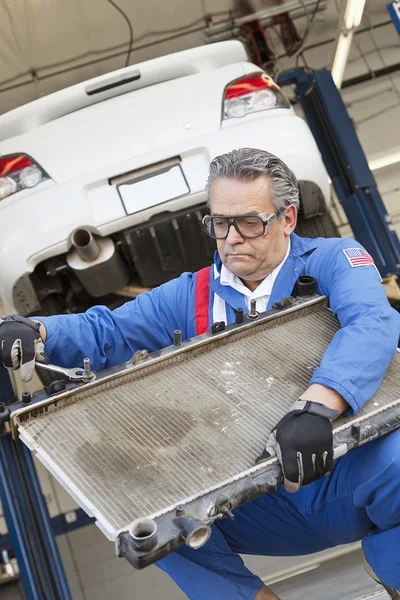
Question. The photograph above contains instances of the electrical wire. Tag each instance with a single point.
(386, 47)
(183, 28)
(377, 114)
(34, 76)
(308, 27)
(37, 77)
(395, 89)
(273, 43)
(362, 55)
(177, 32)
(128, 22)
(364, 98)
(333, 40)
(310, 19)
(378, 50)
(278, 41)
(365, 53)
(203, 7)
(180, 29)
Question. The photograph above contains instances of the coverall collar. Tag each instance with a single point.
(284, 283)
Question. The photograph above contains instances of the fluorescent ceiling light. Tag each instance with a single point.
(384, 160)
(354, 13)
(350, 14)
(340, 60)
(352, 19)
(359, 13)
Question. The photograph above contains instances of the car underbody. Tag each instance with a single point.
(139, 258)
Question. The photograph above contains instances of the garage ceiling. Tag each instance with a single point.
(49, 44)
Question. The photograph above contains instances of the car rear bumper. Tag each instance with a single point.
(38, 225)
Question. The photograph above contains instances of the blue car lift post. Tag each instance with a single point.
(27, 518)
(25, 510)
(348, 169)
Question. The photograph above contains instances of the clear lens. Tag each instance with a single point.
(219, 227)
(209, 227)
(250, 226)
(30, 176)
(264, 99)
(236, 108)
(247, 226)
(7, 187)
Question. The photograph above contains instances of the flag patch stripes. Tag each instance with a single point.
(358, 257)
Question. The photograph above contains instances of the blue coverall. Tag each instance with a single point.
(359, 499)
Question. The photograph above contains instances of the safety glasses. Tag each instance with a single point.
(247, 226)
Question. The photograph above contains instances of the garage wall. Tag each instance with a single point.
(40, 39)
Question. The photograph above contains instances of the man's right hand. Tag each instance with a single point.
(21, 344)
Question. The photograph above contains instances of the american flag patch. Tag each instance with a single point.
(358, 257)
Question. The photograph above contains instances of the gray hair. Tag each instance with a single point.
(246, 164)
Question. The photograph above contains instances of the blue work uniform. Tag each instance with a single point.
(359, 499)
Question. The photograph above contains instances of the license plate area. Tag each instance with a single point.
(151, 185)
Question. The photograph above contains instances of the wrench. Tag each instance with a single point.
(75, 374)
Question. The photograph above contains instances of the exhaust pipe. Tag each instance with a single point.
(85, 244)
(96, 263)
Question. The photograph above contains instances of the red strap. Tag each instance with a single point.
(202, 300)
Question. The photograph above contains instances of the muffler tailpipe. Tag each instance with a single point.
(85, 244)
(96, 263)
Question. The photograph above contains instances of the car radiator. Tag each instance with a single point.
(158, 448)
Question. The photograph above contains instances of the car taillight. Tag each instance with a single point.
(252, 93)
(18, 172)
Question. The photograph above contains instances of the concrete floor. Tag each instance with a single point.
(94, 573)
(342, 577)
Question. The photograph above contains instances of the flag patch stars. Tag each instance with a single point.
(358, 257)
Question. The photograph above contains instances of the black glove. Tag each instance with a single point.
(303, 442)
(20, 344)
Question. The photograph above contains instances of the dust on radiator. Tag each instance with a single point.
(138, 442)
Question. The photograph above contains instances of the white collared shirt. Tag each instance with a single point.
(261, 294)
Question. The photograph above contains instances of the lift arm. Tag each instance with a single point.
(347, 166)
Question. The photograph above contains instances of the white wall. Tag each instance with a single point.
(50, 37)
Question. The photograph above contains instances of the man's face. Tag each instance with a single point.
(250, 259)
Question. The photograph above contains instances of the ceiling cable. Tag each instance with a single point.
(34, 74)
(128, 22)
(115, 52)
(300, 50)
(378, 50)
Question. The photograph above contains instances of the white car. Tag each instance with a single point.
(102, 184)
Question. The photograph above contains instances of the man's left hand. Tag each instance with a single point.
(303, 442)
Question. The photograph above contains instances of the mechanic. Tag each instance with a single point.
(254, 199)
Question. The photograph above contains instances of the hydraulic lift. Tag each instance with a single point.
(28, 522)
(31, 535)
(348, 169)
